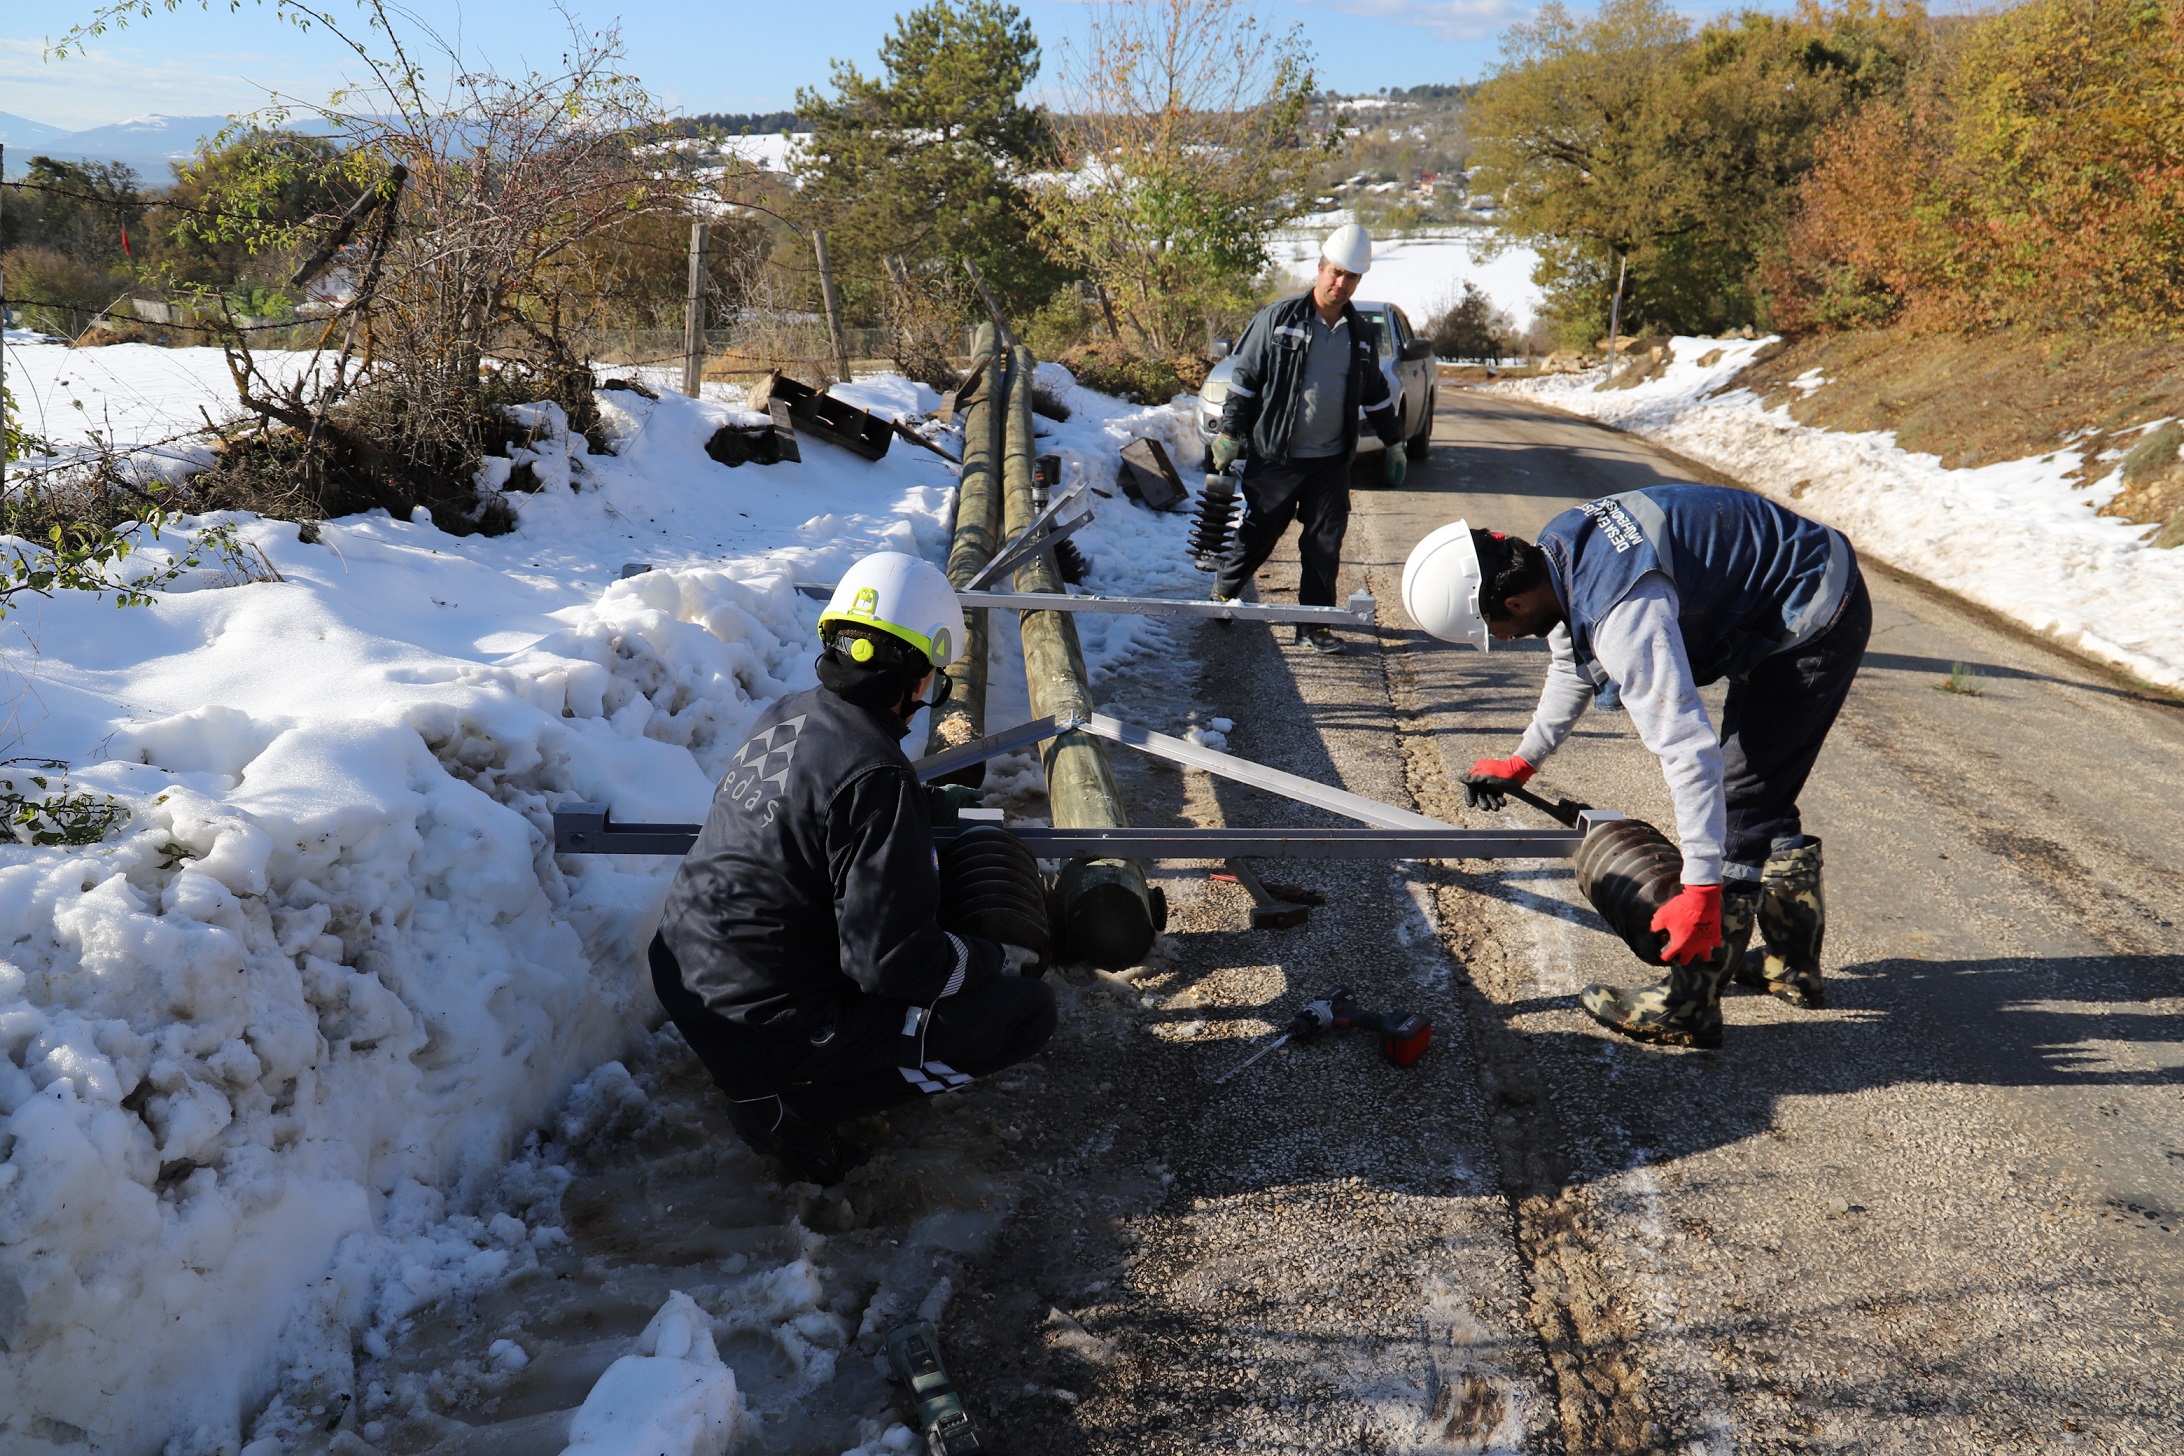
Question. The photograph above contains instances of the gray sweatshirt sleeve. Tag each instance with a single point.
(1562, 701)
(1641, 647)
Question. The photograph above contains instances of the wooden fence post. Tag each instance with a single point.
(693, 329)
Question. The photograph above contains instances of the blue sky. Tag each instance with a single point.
(717, 55)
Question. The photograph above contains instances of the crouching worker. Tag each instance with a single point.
(798, 950)
(1648, 596)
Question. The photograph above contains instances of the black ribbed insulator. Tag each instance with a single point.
(1629, 870)
(1074, 567)
(1215, 519)
(990, 886)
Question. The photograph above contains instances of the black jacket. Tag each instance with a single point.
(1261, 408)
(814, 876)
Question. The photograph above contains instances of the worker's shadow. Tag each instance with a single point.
(2014, 1021)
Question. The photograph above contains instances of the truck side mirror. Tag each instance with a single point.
(1223, 347)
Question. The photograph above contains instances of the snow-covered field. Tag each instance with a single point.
(272, 1049)
(1424, 274)
(2017, 537)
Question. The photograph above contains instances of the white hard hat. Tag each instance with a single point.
(903, 596)
(1349, 248)
(1441, 584)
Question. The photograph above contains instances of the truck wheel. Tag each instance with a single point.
(1421, 442)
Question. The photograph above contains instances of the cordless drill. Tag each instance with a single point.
(1404, 1035)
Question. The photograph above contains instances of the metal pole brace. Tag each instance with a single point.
(1029, 542)
(1393, 833)
(1359, 611)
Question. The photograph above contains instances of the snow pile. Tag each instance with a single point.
(673, 1397)
(267, 1049)
(2017, 537)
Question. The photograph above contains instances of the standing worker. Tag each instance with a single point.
(1305, 369)
(798, 950)
(1650, 595)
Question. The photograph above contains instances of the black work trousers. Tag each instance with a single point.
(865, 1062)
(1772, 726)
(1314, 493)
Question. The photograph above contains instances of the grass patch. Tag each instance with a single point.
(1963, 681)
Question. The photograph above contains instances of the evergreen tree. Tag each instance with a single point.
(925, 161)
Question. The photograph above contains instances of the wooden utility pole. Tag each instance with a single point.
(1107, 913)
(977, 532)
(834, 308)
(1615, 310)
(693, 323)
(1000, 325)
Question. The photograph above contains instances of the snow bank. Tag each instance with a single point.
(2017, 537)
(266, 1051)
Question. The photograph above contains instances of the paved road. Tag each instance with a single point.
(1944, 1215)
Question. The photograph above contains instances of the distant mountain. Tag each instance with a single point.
(21, 131)
(150, 144)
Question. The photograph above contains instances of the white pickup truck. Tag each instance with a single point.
(1405, 359)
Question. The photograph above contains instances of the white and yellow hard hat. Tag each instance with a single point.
(903, 596)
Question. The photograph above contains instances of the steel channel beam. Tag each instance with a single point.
(993, 745)
(1020, 551)
(1360, 615)
(585, 829)
(1022, 547)
(1259, 776)
(1444, 843)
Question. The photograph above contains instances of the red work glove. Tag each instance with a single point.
(1512, 768)
(1693, 923)
(1479, 789)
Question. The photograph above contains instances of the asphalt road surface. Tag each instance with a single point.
(1945, 1214)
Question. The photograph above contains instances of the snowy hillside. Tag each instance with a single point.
(2017, 537)
(270, 1047)
(1426, 273)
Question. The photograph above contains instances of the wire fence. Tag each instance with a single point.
(747, 347)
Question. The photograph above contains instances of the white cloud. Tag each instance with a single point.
(107, 85)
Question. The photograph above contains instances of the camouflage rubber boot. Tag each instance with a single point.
(1793, 920)
(1685, 1009)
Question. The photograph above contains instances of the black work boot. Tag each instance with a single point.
(804, 1152)
(1685, 1009)
(1793, 921)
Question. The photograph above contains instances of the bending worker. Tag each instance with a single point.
(798, 951)
(1305, 369)
(1648, 596)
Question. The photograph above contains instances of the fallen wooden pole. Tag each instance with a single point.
(962, 719)
(1107, 911)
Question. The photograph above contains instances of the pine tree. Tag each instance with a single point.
(925, 160)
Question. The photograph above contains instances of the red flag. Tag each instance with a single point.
(125, 242)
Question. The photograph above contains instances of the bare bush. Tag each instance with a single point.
(1182, 151)
(484, 202)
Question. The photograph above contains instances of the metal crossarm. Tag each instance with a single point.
(1392, 833)
(1358, 613)
(1186, 843)
(1259, 776)
(1029, 542)
(993, 745)
(587, 829)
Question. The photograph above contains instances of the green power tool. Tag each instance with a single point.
(914, 1350)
